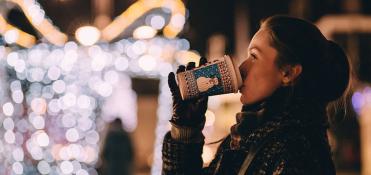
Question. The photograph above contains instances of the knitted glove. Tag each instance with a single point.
(188, 118)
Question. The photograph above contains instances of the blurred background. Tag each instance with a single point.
(84, 82)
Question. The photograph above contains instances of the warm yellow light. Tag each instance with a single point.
(144, 32)
(141, 7)
(13, 34)
(170, 32)
(36, 17)
(183, 57)
(87, 35)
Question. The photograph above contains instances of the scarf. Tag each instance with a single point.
(256, 121)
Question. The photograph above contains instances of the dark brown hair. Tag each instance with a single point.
(325, 74)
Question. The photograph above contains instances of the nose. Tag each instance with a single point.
(244, 67)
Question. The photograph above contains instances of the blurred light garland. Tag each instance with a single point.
(52, 100)
(39, 20)
(14, 35)
(175, 7)
(36, 16)
(57, 98)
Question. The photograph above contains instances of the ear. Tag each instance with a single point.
(290, 73)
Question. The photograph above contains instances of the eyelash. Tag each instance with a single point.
(253, 56)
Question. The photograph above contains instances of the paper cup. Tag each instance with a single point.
(219, 76)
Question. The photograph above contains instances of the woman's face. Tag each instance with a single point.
(260, 74)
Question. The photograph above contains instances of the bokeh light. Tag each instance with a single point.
(147, 62)
(11, 36)
(177, 21)
(18, 154)
(361, 99)
(157, 22)
(66, 167)
(50, 102)
(72, 135)
(17, 168)
(144, 32)
(87, 35)
(9, 136)
(8, 109)
(43, 167)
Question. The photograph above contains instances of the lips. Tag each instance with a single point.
(243, 74)
(240, 89)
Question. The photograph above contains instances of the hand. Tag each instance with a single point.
(189, 113)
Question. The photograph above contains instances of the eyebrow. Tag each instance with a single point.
(254, 47)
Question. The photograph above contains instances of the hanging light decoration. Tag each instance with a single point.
(50, 117)
(53, 97)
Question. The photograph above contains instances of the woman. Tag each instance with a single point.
(290, 75)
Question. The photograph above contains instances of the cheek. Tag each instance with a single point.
(259, 85)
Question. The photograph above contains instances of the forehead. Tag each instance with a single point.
(261, 44)
(261, 39)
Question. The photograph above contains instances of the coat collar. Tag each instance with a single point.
(258, 120)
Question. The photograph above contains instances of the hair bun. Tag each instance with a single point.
(335, 72)
(325, 67)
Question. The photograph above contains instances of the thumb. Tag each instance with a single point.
(174, 89)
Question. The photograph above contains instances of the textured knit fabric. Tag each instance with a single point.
(298, 145)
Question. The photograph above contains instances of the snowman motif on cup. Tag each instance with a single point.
(205, 83)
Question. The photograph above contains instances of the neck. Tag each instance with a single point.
(278, 100)
(283, 101)
(253, 107)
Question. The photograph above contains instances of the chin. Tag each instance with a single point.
(246, 101)
(243, 100)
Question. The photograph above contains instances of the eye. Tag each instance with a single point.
(253, 57)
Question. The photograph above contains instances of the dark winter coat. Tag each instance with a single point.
(297, 144)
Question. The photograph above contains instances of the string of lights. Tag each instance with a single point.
(37, 17)
(14, 35)
(51, 110)
(57, 98)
